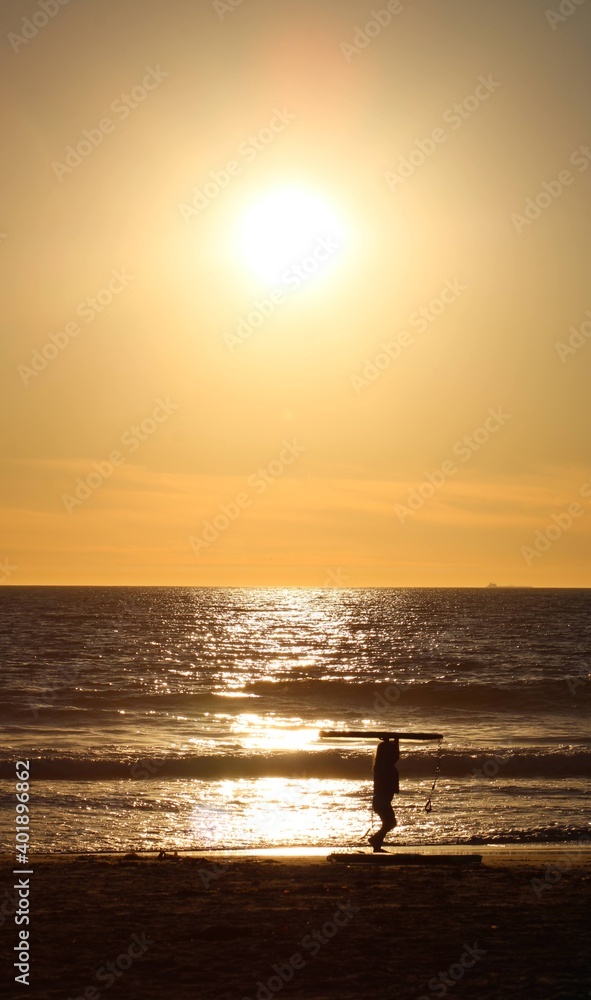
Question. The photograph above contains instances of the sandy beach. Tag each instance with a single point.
(233, 927)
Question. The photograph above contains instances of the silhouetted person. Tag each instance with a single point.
(385, 786)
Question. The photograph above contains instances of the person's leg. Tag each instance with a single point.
(389, 820)
(386, 813)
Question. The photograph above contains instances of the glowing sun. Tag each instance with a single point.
(282, 230)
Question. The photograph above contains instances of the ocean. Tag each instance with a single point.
(189, 719)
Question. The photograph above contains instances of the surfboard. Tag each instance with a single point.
(369, 857)
(354, 734)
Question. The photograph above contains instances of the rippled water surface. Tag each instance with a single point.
(191, 717)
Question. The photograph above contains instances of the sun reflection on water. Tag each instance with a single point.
(264, 732)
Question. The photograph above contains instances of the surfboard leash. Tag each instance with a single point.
(428, 806)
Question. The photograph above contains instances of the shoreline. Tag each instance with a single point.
(516, 853)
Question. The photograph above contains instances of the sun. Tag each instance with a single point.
(287, 228)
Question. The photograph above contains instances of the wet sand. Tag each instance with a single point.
(240, 926)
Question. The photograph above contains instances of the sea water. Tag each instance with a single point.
(189, 719)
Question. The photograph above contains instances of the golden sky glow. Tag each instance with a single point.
(296, 296)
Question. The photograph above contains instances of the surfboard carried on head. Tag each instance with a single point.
(354, 734)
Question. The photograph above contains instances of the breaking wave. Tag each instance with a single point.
(355, 765)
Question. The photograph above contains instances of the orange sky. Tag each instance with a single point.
(396, 397)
